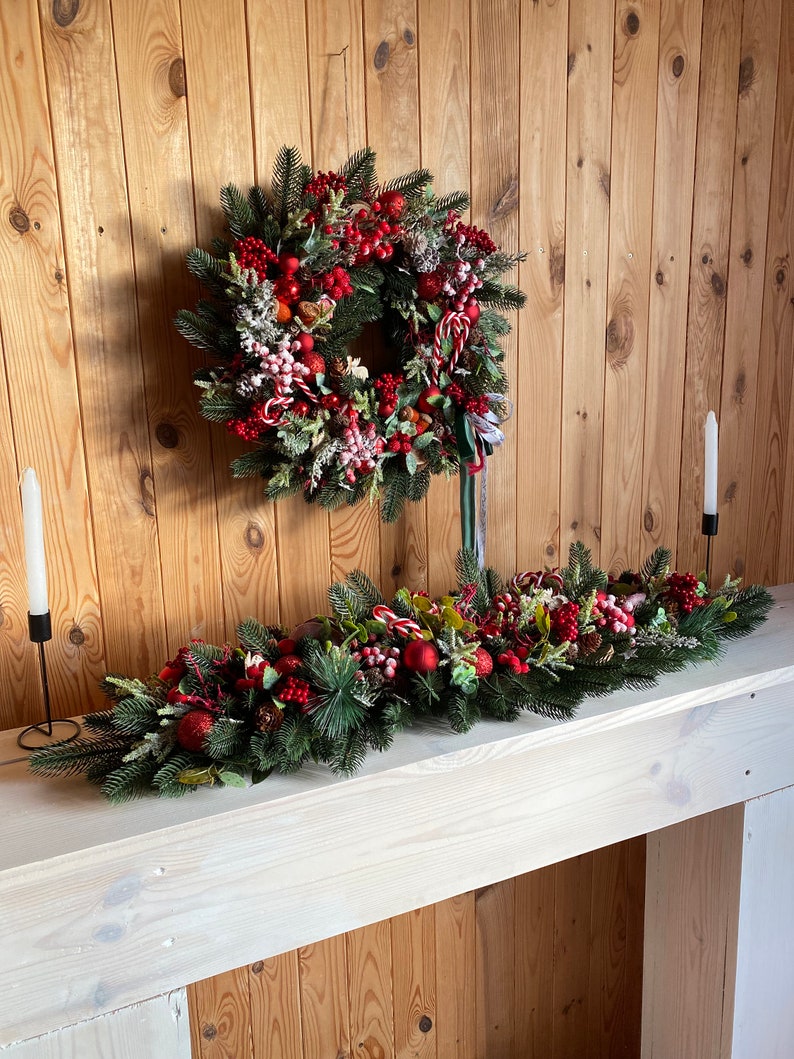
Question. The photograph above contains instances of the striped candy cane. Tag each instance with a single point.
(394, 623)
(456, 325)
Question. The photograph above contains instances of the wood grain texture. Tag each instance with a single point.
(156, 1027)
(494, 911)
(325, 1014)
(275, 1008)
(534, 961)
(607, 987)
(628, 284)
(708, 269)
(369, 967)
(676, 133)
(456, 1005)
(573, 888)
(755, 121)
(413, 943)
(543, 77)
(444, 135)
(694, 872)
(220, 1016)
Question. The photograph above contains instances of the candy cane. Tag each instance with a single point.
(394, 623)
(537, 578)
(457, 326)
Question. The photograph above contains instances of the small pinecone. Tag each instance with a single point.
(339, 424)
(269, 717)
(468, 360)
(336, 372)
(589, 643)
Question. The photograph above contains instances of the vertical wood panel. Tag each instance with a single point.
(444, 85)
(369, 968)
(755, 122)
(543, 78)
(628, 293)
(220, 1016)
(573, 887)
(676, 124)
(275, 1008)
(455, 978)
(413, 943)
(534, 961)
(608, 929)
(325, 1015)
(708, 270)
(495, 971)
(41, 377)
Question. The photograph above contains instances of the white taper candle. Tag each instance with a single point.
(710, 476)
(34, 543)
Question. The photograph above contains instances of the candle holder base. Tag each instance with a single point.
(45, 733)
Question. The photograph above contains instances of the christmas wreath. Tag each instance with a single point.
(310, 263)
(334, 687)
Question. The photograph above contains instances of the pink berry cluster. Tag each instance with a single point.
(461, 282)
(280, 364)
(682, 589)
(361, 449)
(292, 689)
(386, 659)
(564, 622)
(515, 661)
(609, 614)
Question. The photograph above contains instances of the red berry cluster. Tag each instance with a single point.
(254, 253)
(249, 428)
(682, 589)
(478, 406)
(336, 283)
(387, 384)
(399, 442)
(564, 624)
(476, 237)
(455, 391)
(321, 183)
(292, 689)
(374, 242)
(515, 660)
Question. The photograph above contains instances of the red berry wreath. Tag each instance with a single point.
(309, 265)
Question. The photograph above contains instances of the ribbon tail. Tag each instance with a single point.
(482, 524)
(468, 515)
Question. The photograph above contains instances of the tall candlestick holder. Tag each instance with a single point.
(40, 629)
(708, 527)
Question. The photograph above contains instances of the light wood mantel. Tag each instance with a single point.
(103, 907)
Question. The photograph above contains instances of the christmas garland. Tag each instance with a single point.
(310, 264)
(335, 687)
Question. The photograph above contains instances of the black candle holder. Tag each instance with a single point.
(708, 527)
(40, 629)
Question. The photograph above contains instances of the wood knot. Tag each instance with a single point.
(706, 260)
(744, 159)
(557, 265)
(746, 75)
(648, 520)
(730, 492)
(620, 339)
(64, 12)
(382, 54)
(58, 276)
(2, 616)
(747, 256)
(678, 65)
(718, 284)
(209, 1032)
(254, 537)
(579, 162)
(425, 1024)
(659, 277)
(258, 967)
(145, 490)
(550, 551)
(76, 636)
(605, 182)
(396, 570)
(167, 435)
(507, 201)
(571, 62)
(409, 37)
(740, 387)
(780, 277)
(18, 219)
(176, 77)
(632, 24)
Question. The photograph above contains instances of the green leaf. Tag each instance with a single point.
(232, 779)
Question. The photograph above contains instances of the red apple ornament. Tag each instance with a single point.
(420, 656)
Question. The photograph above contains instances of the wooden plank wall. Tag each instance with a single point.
(536, 967)
(640, 151)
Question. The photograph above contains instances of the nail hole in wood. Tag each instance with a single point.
(36, 226)
(76, 636)
(64, 12)
(18, 219)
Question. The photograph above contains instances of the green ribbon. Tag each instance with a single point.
(467, 453)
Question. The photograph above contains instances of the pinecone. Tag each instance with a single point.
(589, 643)
(269, 717)
(336, 372)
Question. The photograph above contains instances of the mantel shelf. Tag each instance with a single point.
(103, 906)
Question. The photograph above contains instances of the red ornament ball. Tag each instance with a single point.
(314, 362)
(286, 646)
(305, 342)
(287, 665)
(423, 404)
(392, 203)
(471, 311)
(483, 663)
(428, 285)
(289, 264)
(287, 289)
(420, 656)
(193, 729)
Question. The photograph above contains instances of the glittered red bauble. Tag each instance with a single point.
(422, 404)
(429, 285)
(193, 729)
(483, 663)
(314, 362)
(472, 311)
(392, 203)
(305, 342)
(287, 289)
(289, 264)
(286, 665)
(420, 656)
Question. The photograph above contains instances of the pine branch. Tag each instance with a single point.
(503, 297)
(359, 174)
(198, 332)
(208, 270)
(72, 758)
(130, 780)
(255, 637)
(457, 201)
(365, 589)
(237, 210)
(259, 204)
(410, 183)
(656, 565)
(286, 186)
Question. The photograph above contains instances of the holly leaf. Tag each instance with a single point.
(434, 312)
(231, 779)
